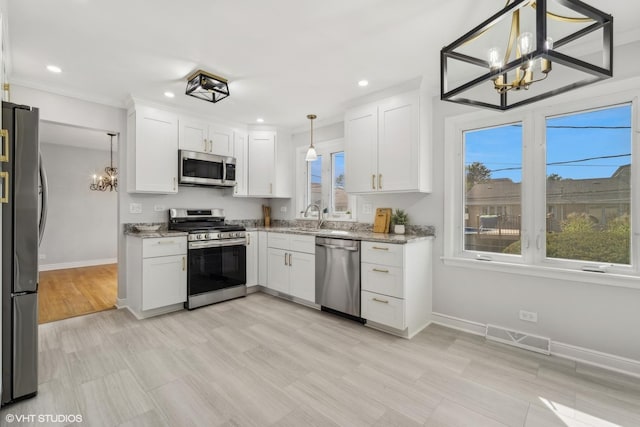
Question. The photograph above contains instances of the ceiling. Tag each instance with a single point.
(62, 134)
(284, 58)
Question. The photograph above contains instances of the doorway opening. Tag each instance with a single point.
(78, 251)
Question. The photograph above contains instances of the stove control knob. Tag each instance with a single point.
(202, 236)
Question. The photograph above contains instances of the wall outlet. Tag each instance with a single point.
(135, 208)
(158, 208)
(42, 256)
(283, 209)
(529, 316)
(367, 208)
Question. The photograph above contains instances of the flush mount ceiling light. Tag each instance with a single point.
(311, 152)
(207, 86)
(110, 181)
(528, 51)
(54, 69)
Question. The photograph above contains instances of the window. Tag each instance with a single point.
(588, 188)
(324, 181)
(549, 189)
(493, 173)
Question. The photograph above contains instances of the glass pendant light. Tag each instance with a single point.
(311, 152)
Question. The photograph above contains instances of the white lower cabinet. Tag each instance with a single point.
(262, 258)
(383, 309)
(291, 265)
(252, 258)
(156, 274)
(396, 286)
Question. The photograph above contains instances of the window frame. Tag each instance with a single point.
(533, 260)
(326, 149)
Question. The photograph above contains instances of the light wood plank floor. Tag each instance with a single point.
(76, 291)
(263, 361)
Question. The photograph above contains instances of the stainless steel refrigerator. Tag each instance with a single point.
(20, 173)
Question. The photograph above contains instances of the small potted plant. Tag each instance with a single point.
(399, 219)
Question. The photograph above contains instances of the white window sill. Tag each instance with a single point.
(604, 279)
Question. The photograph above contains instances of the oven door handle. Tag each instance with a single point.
(217, 243)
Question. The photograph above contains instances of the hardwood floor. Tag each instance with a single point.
(263, 361)
(76, 291)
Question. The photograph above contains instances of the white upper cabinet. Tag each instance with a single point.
(194, 135)
(152, 151)
(384, 149)
(240, 152)
(198, 135)
(269, 165)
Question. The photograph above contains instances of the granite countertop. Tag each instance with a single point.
(348, 234)
(155, 234)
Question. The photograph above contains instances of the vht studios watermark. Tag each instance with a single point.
(43, 418)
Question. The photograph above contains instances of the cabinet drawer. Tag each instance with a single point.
(383, 279)
(383, 309)
(382, 253)
(305, 244)
(163, 246)
(278, 240)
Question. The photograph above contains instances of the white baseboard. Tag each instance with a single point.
(121, 303)
(596, 358)
(566, 351)
(77, 264)
(464, 325)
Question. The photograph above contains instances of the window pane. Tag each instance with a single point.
(340, 198)
(588, 185)
(315, 182)
(493, 177)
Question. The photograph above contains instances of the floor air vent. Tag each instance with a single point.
(518, 339)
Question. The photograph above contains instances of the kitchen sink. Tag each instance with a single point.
(339, 232)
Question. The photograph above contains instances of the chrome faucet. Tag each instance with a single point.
(320, 219)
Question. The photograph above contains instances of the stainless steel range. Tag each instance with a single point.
(216, 256)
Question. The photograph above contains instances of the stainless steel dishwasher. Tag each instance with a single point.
(338, 276)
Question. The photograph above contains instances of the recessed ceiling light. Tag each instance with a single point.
(363, 83)
(54, 69)
(169, 94)
(260, 120)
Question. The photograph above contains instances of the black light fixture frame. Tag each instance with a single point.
(207, 86)
(601, 20)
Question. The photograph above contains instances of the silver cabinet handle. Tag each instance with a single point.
(377, 270)
(380, 182)
(166, 242)
(285, 259)
(290, 263)
(205, 144)
(378, 248)
(381, 300)
(373, 182)
(174, 183)
(248, 239)
(270, 188)
(184, 263)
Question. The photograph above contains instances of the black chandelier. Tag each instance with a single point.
(110, 180)
(207, 86)
(507, 60)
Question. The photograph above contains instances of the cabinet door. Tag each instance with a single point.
(164, 281)
(361, 142)
(240, 147)
(262, 258)
(193, 135)
(303, 276)
(278, 270)
(262, 146)
(156, 151)
(399, 143)
(221, 141)
(252, 258)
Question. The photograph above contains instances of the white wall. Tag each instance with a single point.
(81, 224)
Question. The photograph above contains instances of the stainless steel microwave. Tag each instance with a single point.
(195, 168)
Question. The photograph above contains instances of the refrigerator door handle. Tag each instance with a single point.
(45, 199)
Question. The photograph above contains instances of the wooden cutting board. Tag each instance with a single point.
(382, 220)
